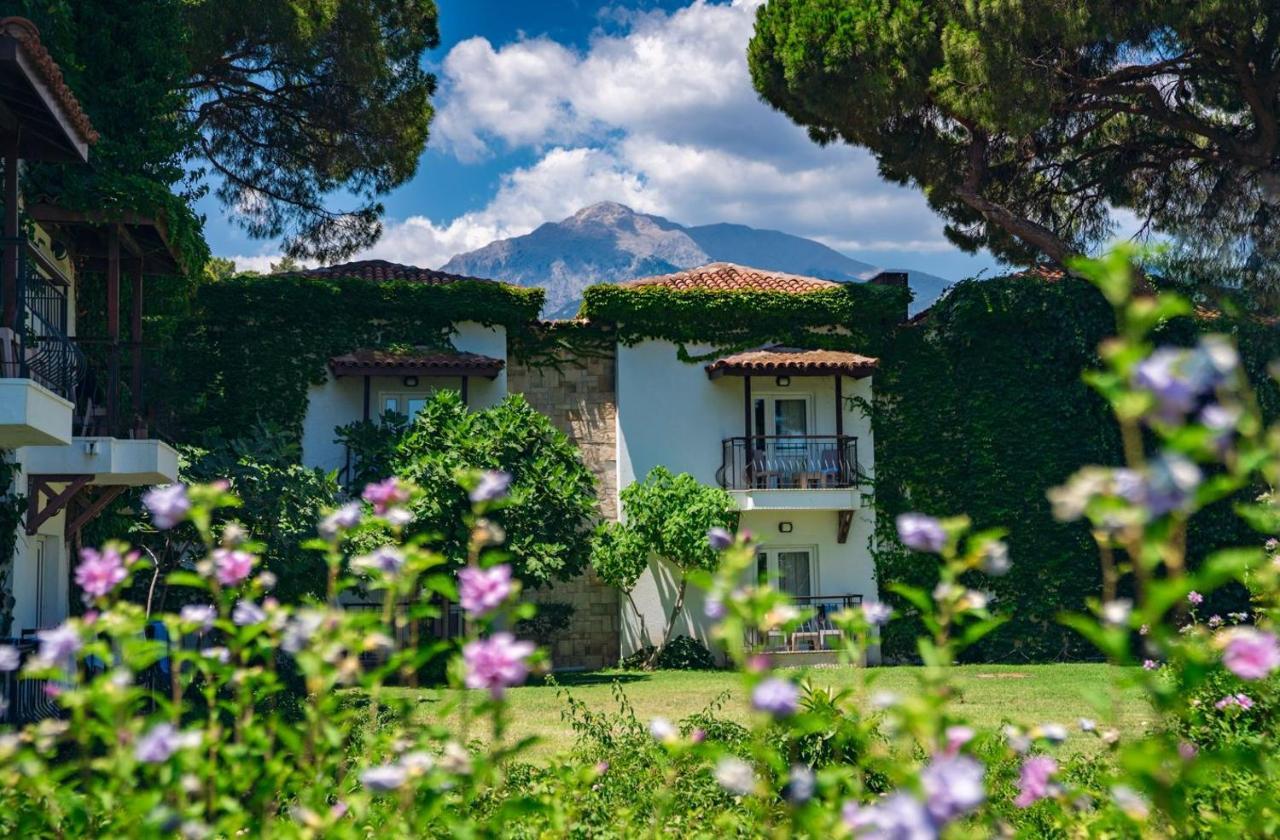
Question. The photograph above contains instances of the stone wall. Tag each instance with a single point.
(581, 401)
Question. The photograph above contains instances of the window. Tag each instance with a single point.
(793, 570)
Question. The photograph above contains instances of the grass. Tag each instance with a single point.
(989, 695)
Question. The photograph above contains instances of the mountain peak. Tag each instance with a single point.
(609, 242)
(602, 211)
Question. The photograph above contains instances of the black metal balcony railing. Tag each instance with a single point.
(818, 632)
(38, 347)
(781, 462)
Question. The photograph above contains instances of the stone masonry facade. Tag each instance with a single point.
(581, 401)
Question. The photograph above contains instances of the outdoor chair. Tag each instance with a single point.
(762, 471)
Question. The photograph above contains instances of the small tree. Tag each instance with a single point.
(668, 517)
(552, 496)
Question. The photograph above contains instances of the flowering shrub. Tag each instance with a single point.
(194, 737)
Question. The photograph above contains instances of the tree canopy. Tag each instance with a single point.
(552, 503)
(667, 516)
(1025, 122)
(282, 107)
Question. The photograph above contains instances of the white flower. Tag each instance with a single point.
(661, 730)
(1088, 725)
(735, 776)
(1117, 612)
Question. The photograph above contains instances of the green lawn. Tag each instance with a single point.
(989, 695)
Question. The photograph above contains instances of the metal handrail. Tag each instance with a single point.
(815, 631)
(43, 350)
(786, 462)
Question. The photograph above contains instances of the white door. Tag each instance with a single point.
(51, 582)
(793, 570)
(782, 416)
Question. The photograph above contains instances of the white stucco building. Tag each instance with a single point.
(72, 415)
(781, 429)
(366, 383)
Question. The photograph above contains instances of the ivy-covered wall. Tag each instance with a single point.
(980, 408)
(741, 320)
(254, 343)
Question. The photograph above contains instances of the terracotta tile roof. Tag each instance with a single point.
(422, 361)
(728, 277)
(28, 36)
(774, 360)
(382, 270)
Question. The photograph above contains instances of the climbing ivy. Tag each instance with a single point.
(863, 316)
(11, 505)
(255, 343)
(980, 407)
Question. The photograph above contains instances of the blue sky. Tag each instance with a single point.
(546, 106)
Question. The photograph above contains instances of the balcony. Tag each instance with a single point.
(816, 641)
(792, 472)
(39, 365)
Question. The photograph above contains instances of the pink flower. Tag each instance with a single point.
(1242, 700)
(231, 565)
(100, 572)
(957, 737)
(1149, 665)
(483, 590)
(1251, 654)
(168, 504)
(1033, 782)
(496, 663)
(385, 494)
(1195, 598)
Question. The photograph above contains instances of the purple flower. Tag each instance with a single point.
(202, 615)
(801, 784)
(59, 644)
(1176, 378)
(343, 519)
(1195, 598)
(952, 786)
(162, 741)
(1215, 621)
(388, 559)
(876, 612)
(493, 485)
(232, 565)
(714, 609)
(168, 504)
(300, 629)
(776, 696)
(100, 572)
(496, 663)
(1149, 665)
(898, 816)
(247, 612)
(483, 590)
(921, 533)
(1251, 654)
(384, 778)
(9, 658)
(719, 538)
(1171, 480)
(1033, 781)
(385, 494)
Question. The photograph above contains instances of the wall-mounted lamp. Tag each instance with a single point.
(784, 527)
(783, 381)
(410, 381)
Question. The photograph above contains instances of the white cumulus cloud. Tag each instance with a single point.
(657, 113)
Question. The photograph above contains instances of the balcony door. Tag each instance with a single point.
(793, 570)
(778, 415)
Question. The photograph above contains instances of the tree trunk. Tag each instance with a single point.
(676, 609)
